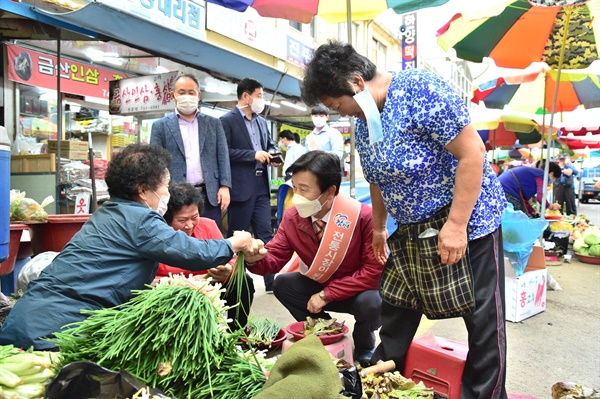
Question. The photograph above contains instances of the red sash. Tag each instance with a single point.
(335, 242)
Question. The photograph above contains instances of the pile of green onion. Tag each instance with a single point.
(173, 337)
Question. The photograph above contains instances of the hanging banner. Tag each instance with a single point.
(408, 32)
(150, 93)
(34, 68)
(301, 132)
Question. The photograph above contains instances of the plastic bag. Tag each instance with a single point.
(27, 209)
(33, 269)
(73, 171)
(518, 235)
(80, 380)
(351, 382)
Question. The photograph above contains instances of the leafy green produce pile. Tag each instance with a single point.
(393, 386)
(322, 327)
(173, 337)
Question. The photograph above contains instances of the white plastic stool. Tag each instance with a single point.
(340, 350)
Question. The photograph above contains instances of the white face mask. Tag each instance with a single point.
(319, 121)
(163, 203)
(258, 105)
(366, 102)
(306, 208)
(186, 104)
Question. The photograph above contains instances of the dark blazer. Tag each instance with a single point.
(214, 155)
(241, 152)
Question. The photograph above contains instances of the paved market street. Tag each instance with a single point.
(559, 344)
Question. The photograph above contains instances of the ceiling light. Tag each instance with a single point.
(113, 61)
(161, 69)
(273, 105)
(224, 90)
(293, 105)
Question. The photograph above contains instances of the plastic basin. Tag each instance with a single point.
(296, 330)
(16, 230)
(56, 233)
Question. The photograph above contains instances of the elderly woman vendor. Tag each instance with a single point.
(118, 250)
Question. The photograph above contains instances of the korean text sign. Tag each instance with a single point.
(39, 69)
(408, 31)
(142, 94)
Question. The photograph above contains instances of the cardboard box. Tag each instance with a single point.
(67, 145)
(75, 155)
(33, 163)
(525, 295)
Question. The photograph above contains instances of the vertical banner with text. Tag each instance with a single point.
(408, 32)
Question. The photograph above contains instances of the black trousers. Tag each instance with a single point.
(484, 375)
(565, 196)
(294, 290)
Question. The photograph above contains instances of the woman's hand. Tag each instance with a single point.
(380, 248)
(242, 241)
(220, 273)
(452, 243)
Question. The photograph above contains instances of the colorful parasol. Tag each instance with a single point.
(530, 92)
(515, 33)
(332, 11)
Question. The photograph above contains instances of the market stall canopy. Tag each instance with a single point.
(137, 32)
(332, 11)
(504, 129)
(533, 89)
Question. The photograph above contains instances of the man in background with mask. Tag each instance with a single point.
(323, 137)
(250, 152)
(198, 146)
(331, 234)
(292, 149)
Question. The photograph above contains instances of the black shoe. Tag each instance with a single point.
(269, 288)
(363, 357)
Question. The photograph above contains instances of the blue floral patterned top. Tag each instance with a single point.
(411, 166)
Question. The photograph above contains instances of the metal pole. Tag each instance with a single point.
(59, 128)
(352, 122)
(569, 9)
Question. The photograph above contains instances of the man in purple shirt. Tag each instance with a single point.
(198, 145)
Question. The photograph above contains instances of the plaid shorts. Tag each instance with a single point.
(415, 278)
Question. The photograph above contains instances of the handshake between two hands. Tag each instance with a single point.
(253, 249)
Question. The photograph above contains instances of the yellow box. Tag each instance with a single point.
(33, 163)
(67, 145)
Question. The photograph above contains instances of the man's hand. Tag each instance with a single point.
(380, 248)
(242, 241)
(220, 273)
(315, 304)
(223, 197)
(263, 156)
(256, 257)
(567, 172)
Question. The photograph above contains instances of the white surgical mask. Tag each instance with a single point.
(366, 102)
(319, 121)
(186, 104)
(258, 105)
(306, 208)
(163, 203)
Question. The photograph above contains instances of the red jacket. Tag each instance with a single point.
(206, 229)
(359, 270)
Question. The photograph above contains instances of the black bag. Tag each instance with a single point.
(88, 380)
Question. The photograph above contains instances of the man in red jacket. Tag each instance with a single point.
(331, 234)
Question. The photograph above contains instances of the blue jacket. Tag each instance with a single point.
(241, 152)
(214, 155)
(117, 250)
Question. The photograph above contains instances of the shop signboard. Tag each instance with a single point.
(39, 69)
(248, 28)
(184, 16)
(150, 93)
(408, 31)
(298, 52)
(301, 132)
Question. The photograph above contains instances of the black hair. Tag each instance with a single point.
(330, 71)
(188, 76)
(555, 170)
(347, 141)
(137, 165)
(287, 134)
(247, 85)
(183, 194)
(297, 138)
(323, 165)
(319, 110)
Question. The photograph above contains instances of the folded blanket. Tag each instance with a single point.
(304, 371)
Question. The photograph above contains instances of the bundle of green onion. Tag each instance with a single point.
(262, 331)
(173, 337)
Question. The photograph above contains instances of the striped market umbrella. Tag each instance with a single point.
(530, 91)
(332, 11)
(515, 33)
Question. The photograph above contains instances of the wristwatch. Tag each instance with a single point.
(322, 295)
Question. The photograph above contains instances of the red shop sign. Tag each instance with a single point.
(39, 69)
